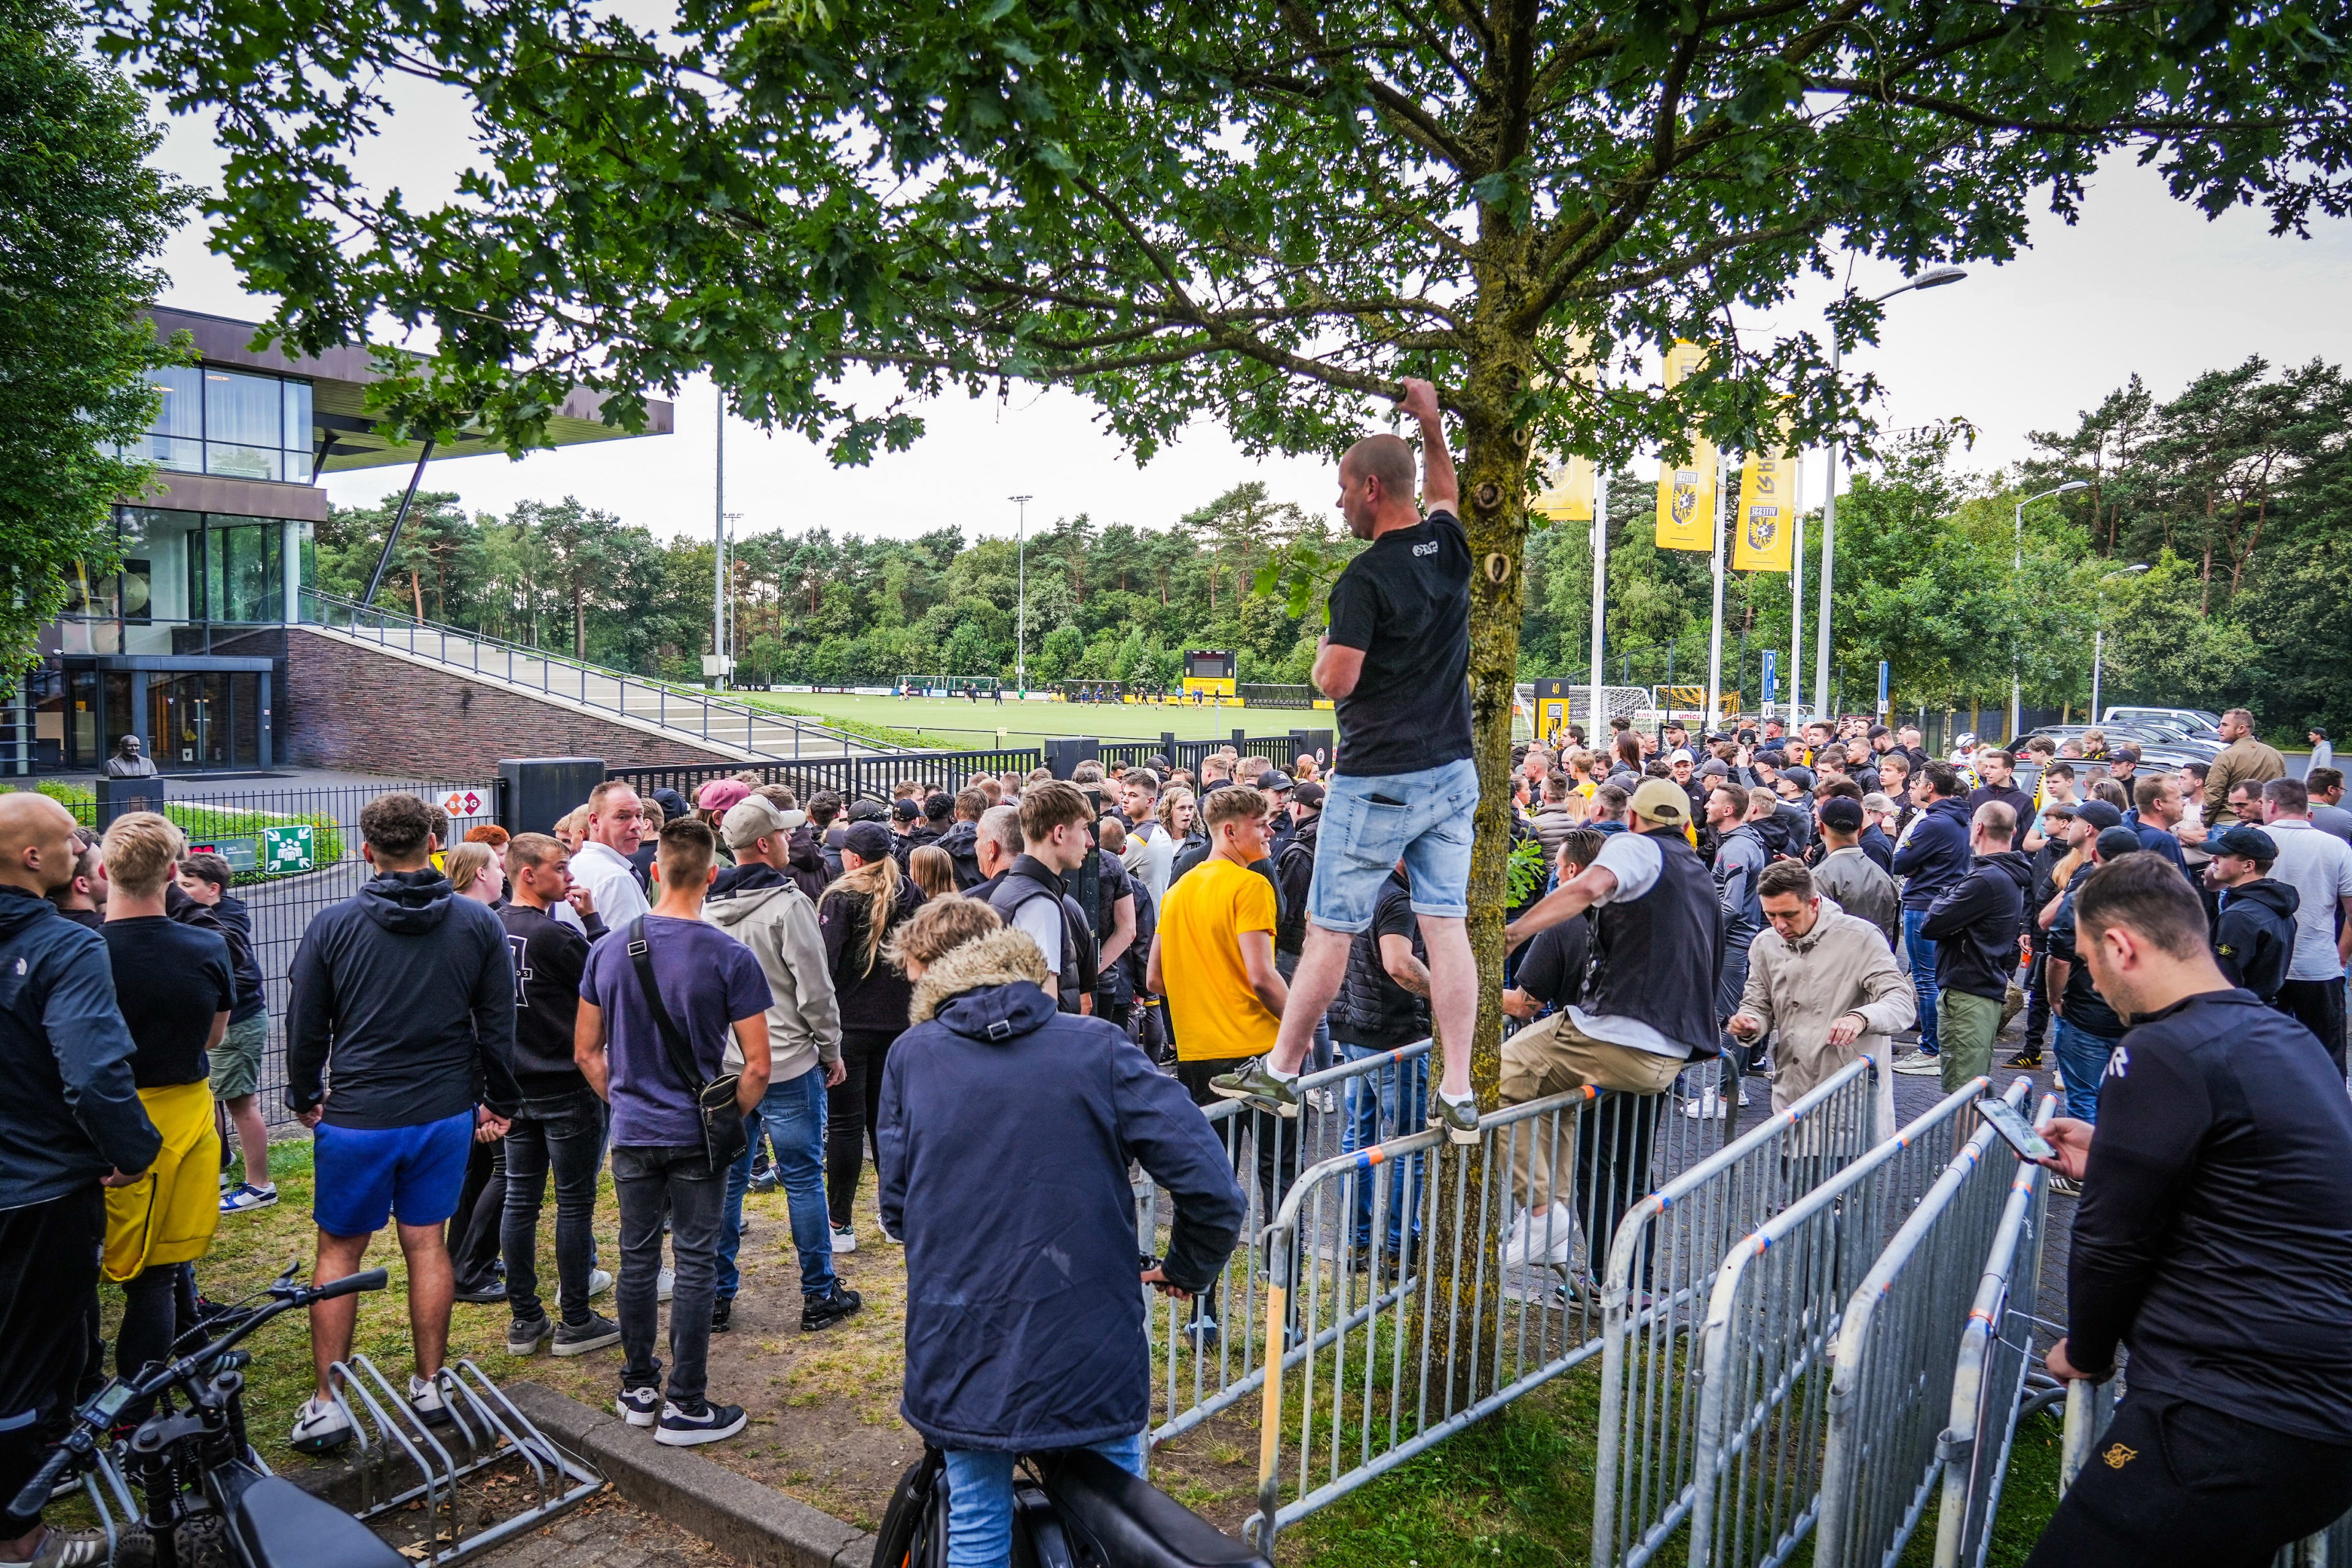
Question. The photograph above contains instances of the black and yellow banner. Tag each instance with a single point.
(1686, 488)
(1766, 521)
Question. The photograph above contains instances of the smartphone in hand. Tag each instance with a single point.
(2004, 1120)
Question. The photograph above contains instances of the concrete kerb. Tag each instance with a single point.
(749, 1522)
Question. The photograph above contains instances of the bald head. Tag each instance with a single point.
(1385, 459)
(38, 852)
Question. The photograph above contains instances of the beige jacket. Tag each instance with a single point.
(1842, 966)
(2244, 761)
(777, 924)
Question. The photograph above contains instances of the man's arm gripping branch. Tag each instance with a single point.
(1438, 485)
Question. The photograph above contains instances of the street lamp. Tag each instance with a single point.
(2099, 633)
(1933, 278)
(2017, 570)
(1021, 601)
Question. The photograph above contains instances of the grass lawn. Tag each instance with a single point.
(956, 724)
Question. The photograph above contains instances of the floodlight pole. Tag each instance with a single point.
(1934, 278)
(718, 550)
(1021, 601)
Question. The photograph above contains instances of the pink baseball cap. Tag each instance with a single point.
(720, 794)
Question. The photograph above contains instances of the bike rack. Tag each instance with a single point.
(484, 1424)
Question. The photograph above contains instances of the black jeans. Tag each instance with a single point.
(48, 1292)
(2319, 1006)
(474, 1229)
(2037, 1002)
(852, 1107)
(2173, 1482)
(1278, 1138)
(675, 1184)
(565, 1134)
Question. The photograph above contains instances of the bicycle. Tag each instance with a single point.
(210, 1498)
(1070, 1509)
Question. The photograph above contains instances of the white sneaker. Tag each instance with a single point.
(1547, 1239)
(1326, 1100)
(424, 1398)
(320, 1428)
(1707, 1107)
(845, 1241)
(599, 1282)
(667, 1282)
(1920, 1066)
(1743, 1094)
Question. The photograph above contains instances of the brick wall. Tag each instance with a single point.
(358, 710)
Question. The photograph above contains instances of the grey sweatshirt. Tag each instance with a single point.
(771, 915)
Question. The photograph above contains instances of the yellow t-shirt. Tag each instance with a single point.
(1210, 1007)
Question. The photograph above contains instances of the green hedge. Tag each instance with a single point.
(201, 821)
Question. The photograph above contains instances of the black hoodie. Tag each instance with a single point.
(2254, 939)
(1974, 925)
(403, 1007)
(962, 842)
(69, 1111)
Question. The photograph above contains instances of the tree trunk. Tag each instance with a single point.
(417, 592)
(579, 623)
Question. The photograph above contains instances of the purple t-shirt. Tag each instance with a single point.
(708, 980)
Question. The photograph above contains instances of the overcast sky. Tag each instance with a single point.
(2141, 284)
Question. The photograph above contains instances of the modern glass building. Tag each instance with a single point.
(185, 645)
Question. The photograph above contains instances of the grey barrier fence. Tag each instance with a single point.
(1990, 1375)
(1772, 1320)
(1892, 1371)
(2090, 1405)
(1391, 1348)
(1666, 1256)
(1210, 1354)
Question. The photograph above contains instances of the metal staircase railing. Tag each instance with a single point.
(758, 731)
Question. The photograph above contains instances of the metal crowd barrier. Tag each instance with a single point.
(1995, 1366)
(1387, 1361)
(1892, 1373)
(1772, 1320)
(1210, 1354)
(1666, 1253)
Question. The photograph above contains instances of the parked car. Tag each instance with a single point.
(2194, 721)
(2162, 748)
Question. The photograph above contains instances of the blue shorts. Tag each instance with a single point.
(1422, 820)
(364, 1175)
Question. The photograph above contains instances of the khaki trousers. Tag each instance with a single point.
(1554, 1056)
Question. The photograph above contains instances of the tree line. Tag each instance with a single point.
(2237, 494)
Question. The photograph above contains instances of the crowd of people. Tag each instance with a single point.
(1025, 984)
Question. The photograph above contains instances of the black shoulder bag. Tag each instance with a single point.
(714, 1099)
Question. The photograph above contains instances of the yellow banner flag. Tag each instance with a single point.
(1686, 490)
(1570, 498)
(1766, 516)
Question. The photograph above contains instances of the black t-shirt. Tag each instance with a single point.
(170, 981)
(1551, 970)
(1405, 602)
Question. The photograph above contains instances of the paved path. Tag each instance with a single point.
(607, 1532)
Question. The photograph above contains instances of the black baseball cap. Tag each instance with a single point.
(867, 811)
(1274, 780)
(2115, 841)
(869, 841)
(2099, 814)
(906, 811)
(1841, 813)
(2245, 842)
(1309, 794)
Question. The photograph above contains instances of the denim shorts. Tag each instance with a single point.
(1370, 824)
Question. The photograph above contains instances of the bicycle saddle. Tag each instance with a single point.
(288, 1527)
(1131, 1524)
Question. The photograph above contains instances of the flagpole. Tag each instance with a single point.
(1715, 633)
(1596, 721)
(1795, 582)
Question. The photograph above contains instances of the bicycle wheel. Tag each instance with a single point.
(914, 1532)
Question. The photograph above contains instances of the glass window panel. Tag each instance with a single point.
(244, 462)
(298, 468)
(243, 410)
(307, 558)
(298, 415)
(247, 576)
(183, 411)
(183, 454)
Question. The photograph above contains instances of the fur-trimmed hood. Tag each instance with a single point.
(1000, 959)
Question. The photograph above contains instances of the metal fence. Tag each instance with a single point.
(1667, 1251)
(1772, 1320)
(1990, 1376)
(295, 851)
(852, 778)
(1211, 1354)
(1891, 1374)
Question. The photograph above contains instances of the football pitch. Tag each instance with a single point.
(953, 723)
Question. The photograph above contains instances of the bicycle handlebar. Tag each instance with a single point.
(93, 1417)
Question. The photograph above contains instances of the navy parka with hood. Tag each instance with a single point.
(1006, 1127)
